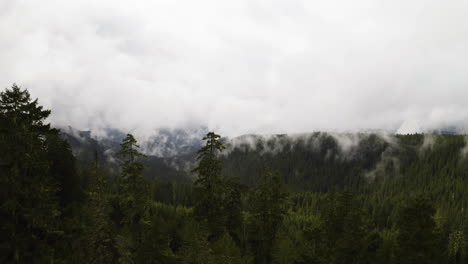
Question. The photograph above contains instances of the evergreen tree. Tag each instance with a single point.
(226, 251)
(345, 231)
(267, 209)
(289, 248)
(196, 247)
(28, 206)
(417, 238)
(98, 242)
(133, 189)
(208, 191)
(154, 248)
(63, 168)
(133, 199)
(232, 207)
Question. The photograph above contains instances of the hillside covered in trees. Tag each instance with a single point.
(311, 198)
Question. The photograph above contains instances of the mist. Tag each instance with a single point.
(241, 67)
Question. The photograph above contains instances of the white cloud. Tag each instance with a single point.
(241, 66)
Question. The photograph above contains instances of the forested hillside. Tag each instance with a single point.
(66, 197)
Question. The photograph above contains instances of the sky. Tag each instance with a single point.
(243, 66)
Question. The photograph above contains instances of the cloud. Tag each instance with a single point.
(464, 151)
(238, 67)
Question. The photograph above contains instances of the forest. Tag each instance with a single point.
(275, 200)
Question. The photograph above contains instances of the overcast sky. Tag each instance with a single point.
(241, 66)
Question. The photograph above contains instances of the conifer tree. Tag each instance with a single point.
(267, 209)
(154, 247)
(417, 237)
(288, 248)
(133, 200)
(28, 207)
(133, 188)
(232, 207)
(226, 251)
(208, 186)
(196, 247)
(98, 242)
(63, 168)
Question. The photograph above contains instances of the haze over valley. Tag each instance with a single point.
(234, 132)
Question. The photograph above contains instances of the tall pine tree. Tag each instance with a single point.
(98, 243)
(133, 199)
(209, 186)
(28, 206)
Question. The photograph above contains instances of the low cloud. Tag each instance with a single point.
(464, 151)
(241, 67)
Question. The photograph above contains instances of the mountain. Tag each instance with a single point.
(85, 147)
(174, 142)
(312, 161)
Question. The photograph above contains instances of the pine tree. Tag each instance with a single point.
(134, 193)
(63, 168)
(28, 207)
(267, 209)
(98, 242)
(133, 199)
(417, 238)
(208, 191)
(232, 207)
(154, 247)
(196, 247)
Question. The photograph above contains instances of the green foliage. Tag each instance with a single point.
(98, 239)
(417, 237)
(28, 208)
(196, 248)
(225, 250)
(456, 246)
(211, 192)
(289, 247)
(267, 209)
(133, 200)
(133, 190)
(154, 247)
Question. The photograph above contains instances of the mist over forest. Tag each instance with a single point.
(233, 132)
(323, 197)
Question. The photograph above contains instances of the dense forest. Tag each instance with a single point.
(278, 199)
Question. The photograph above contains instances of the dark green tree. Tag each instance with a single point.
(63, 168)
(196, 248)
(133, 200)
(28, 207)
(133, 189)
(232, 207)
(225, 250)
(267, 207)
(417, 238)
(98, 240)
(208, 207)
(154, 247)
(345, 232)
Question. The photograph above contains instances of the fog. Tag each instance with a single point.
(241, 67)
